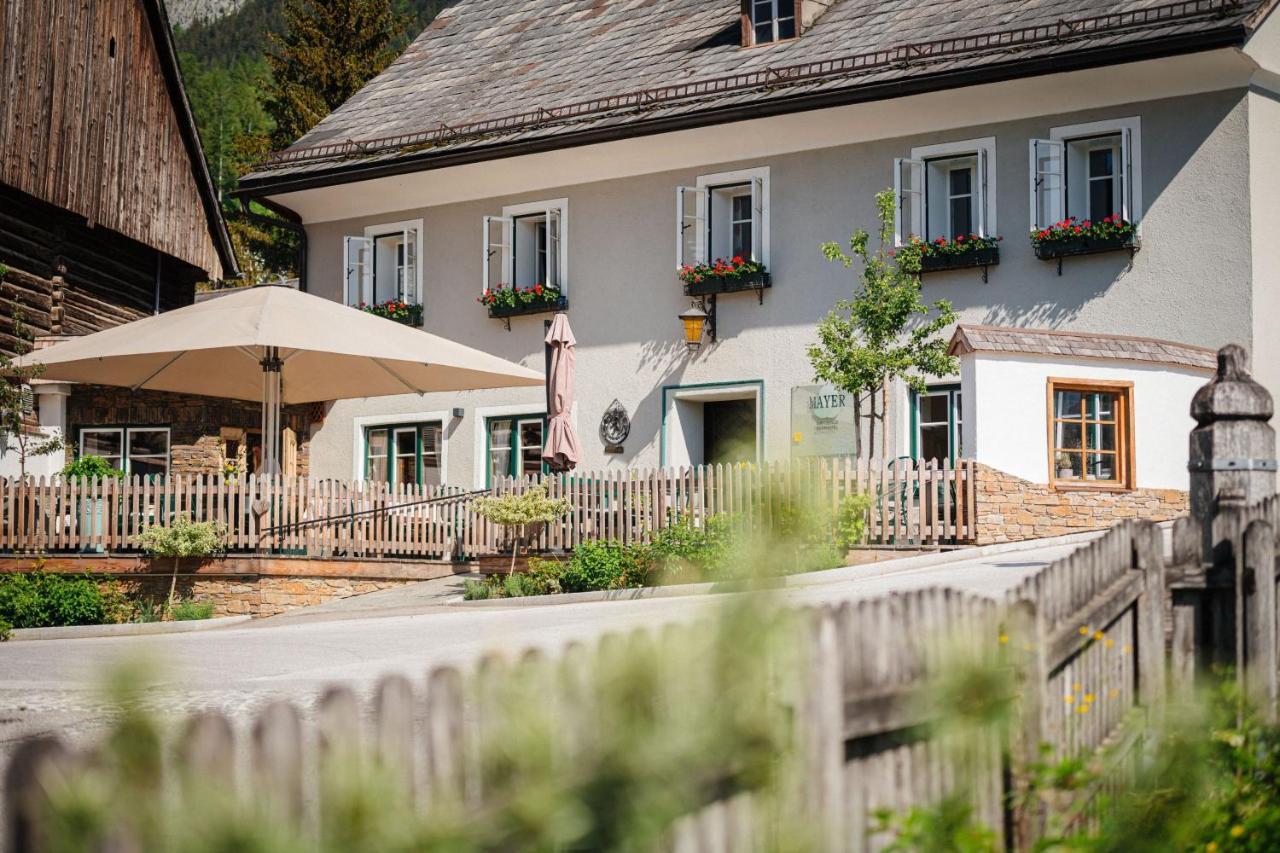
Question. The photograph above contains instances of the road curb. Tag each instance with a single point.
(128, 629)
(844, 573)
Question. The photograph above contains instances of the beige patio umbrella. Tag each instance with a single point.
(561, 451)
(278, 346)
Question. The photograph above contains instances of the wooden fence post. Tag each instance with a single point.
(1257, 584)
(30, 769)
(1028, 636)
(1148, 557)
(277, 759)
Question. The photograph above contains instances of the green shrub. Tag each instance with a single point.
(604, 565)
(87, 468)
(6, 631)
(851, 519)
(476, 590)
(39, 600)
(188, 611)
(683, 551)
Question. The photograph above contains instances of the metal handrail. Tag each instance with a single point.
(353, 515)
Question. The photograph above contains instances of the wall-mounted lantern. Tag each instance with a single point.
(696, 321)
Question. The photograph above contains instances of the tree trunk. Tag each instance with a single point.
(871, 422)
(515, 549)
(173, 582)
(884, 418)
(857, 426)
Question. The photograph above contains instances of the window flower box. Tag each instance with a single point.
(506, 302)
(964, 252)
(731, 276)
(1074, 237)
(393, 309)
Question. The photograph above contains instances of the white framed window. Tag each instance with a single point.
(142, 450)
(384, 264)
(725, 215)
(1087, 171)
(526, 246)
(772, 20)
(945, 190)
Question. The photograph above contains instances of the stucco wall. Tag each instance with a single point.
(1189, 283)
(1006, 413)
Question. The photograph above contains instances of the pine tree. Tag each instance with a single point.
(329, 50)
(884, 333)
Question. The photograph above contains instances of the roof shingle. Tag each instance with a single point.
(497, 72)
(971, 338)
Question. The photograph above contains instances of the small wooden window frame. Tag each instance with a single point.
(1125, 450)
(749, 30)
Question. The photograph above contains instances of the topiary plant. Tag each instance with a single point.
(519, 511)
(182, 538)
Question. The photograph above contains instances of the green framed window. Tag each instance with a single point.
(513, 446)
(935, 423)
(404, 454)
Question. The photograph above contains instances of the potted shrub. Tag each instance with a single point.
(85, 470)
(1065, 465)
(724, 276)
(503, 301)
(519, 512)
(394, 309)
(1074, 236)
(961, 252)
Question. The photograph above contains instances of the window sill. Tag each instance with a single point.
(1051, 250)
(711, 285)
(967, 260)
(499, 312)
(1085, 486)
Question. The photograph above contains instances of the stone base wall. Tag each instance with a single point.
(195, 423)
(249, 595)
(1010, 509)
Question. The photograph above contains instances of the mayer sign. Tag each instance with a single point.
(822, 421)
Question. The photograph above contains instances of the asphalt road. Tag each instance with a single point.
(54, 684)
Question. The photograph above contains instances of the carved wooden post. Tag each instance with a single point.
(1233, 449)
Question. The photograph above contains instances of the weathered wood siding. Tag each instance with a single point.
(68, 279)
(87, 124)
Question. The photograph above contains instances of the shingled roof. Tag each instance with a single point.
(1002, 339)
(489, 78)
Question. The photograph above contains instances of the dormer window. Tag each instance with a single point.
(772, 20)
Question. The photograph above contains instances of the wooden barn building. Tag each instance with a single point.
(107, 214)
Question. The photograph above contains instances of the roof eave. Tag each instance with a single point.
(162, 35)
(343, 172)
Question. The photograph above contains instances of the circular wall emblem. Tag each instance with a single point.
(615, 424)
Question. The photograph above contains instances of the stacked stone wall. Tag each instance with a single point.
(1010, 509)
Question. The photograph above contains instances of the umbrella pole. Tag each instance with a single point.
(271, 366)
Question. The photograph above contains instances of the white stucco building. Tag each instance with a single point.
(592, 148)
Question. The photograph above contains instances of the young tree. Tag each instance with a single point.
(884, 332)
(329, 49)
(17, 432)
(519, 511)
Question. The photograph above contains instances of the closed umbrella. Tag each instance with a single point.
(561, 451)
(278, 346)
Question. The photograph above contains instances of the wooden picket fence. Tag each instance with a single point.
(912, 503)
(1083, 638)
